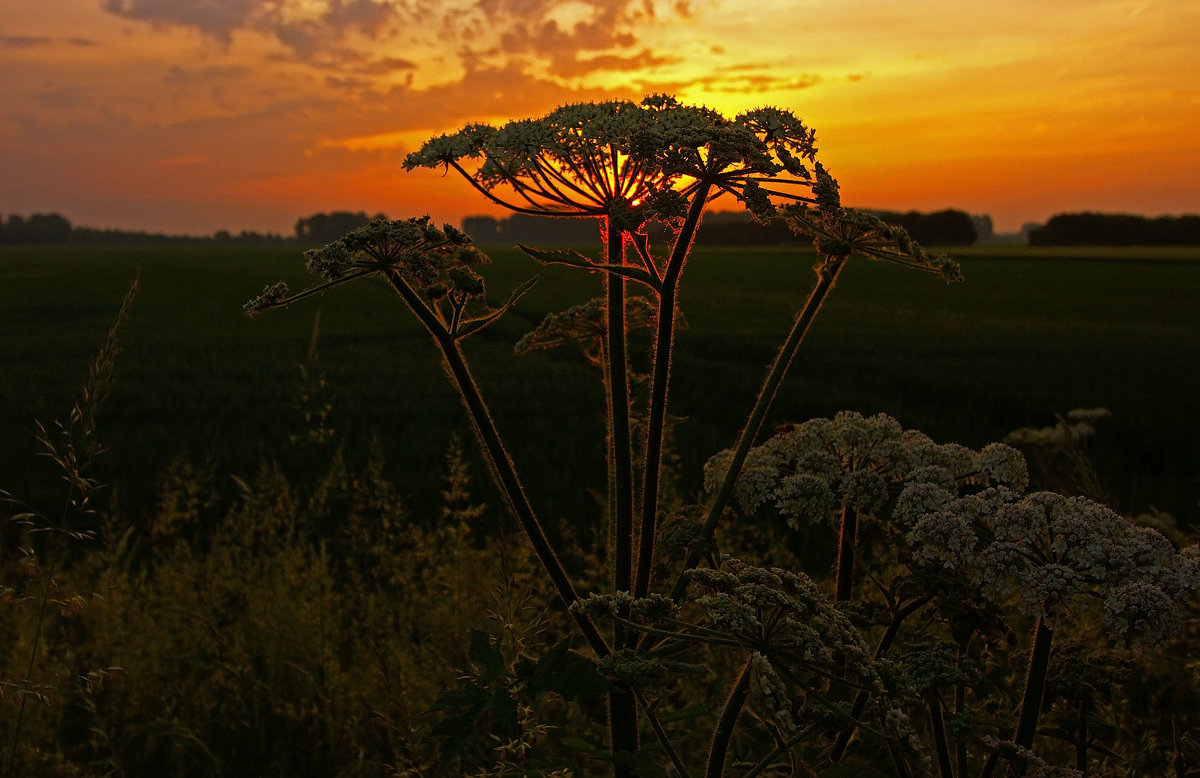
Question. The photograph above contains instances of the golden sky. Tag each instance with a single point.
(189, 116)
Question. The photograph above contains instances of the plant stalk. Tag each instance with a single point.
(827, 275)
(725, 726)
(656, 414)
(500, 464)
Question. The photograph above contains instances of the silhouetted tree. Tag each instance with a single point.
(1107, 229)
(327, 227)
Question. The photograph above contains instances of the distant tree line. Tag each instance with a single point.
(51, 228)
(722, 228)
(322, 228)
(1107, 229)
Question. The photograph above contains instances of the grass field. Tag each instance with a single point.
(1030, 334)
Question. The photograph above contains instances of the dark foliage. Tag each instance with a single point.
(1108, 229)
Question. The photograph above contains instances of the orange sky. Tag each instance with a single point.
(189, 116)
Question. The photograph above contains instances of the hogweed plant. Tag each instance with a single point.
(937, 547)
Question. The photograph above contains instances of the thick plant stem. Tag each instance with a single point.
(845, 557)
(1031, 700)
(656, 414)
(960, 743)
(827, 275)
(1035, 684)
(941, 745)
(620, 439)
(500, 464)
(1081, 737)
(622, 707)
(729, 716)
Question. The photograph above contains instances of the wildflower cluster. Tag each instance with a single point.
(584, 325)
(1052, 554)
(784, 616)
(633, 161)
(840, 232)
(434, 269)
(810, 470)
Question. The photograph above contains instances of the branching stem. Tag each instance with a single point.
(500, 464)
(827, 275)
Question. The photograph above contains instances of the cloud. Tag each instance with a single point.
(181, 76)
(23, 41)
(304, 27)
(214, 18)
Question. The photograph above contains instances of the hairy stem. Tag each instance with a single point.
(622, 707)
(663, 738)
(845, 558)
(1035, 684)
(1031, 700)
(725, 726)
(500, 464)
(620, 436)
(940, 744)
(827, 275)
(860, 699)
(660, 382)
(960, 743)
(1081, 737)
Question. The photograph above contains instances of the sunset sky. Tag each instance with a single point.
(189, 116)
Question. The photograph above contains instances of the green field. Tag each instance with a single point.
(1030, 334)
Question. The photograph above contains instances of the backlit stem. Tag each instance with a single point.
(500, 464)
(657, 413)
(827, 275)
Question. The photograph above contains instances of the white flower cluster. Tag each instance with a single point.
(1047, 553)
(812, 469)
(771, 694)
(784, 615)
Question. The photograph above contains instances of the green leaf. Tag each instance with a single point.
(487, 656)
(571, 258)
(567, 673)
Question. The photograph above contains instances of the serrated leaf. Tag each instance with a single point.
(567, 673)
(572, 258)
(487, 656)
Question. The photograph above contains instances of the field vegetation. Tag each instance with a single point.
(1034, 333)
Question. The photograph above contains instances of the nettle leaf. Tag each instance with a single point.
(567, 673)
(480, 711)
(487, 656)
(569, 258)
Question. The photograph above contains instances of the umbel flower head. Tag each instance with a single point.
(1049, 554)
(437, 266)
(809, 470)
(840, 232)
(785, 616)
(628, 161)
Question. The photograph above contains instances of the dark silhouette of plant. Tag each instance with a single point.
(804, 678)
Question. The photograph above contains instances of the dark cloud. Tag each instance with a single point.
(23, 41)
(181, 76)
(566, 41)
(215, 18)
(218, 19)
(604, 38)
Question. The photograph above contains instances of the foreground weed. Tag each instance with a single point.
(47, 540)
